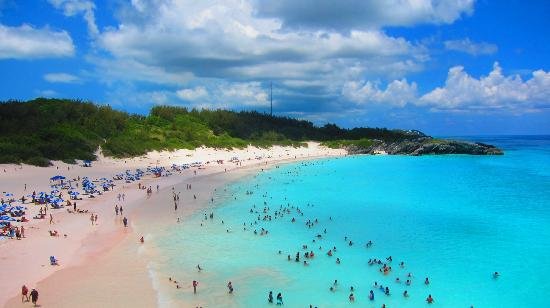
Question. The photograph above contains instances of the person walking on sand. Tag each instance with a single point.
(125, 222)
(116, 209)
(24, 294)
(92, 219)
(95, 219)
(34, 297)
(51, 219)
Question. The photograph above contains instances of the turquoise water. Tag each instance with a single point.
(455, 219)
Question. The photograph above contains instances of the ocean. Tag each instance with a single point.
(455, 219)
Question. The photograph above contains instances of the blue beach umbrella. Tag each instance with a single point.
(7, 218)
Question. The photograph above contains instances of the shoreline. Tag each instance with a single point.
(104, 250)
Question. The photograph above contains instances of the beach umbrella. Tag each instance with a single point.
(7, 218)
(8, 194)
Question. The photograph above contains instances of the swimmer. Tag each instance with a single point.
(495, 275)
(430, 299)
(337, 260)
(279, 299)
(371, 295)
(351, 297)
(387, 291)
(405, 294)
(270, 297)
(427, 281)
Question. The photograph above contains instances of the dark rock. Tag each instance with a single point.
(426, 146)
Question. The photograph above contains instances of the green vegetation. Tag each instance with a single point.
(338, 144)
(40, 130)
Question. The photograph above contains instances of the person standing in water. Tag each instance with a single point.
(279, 299)
(230, 287)
(270, 297)
(430, 299)
(195, 284)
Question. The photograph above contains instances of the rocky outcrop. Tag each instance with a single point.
(426, 146)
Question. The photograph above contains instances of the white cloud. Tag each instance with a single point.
(61, 78)
(186, 43)
(74, 7)
(192, 94)
(224, 94)
(248, 94)
(26, 42)
(473, 48)
(361, 14)
(397, 92)
(495, 91)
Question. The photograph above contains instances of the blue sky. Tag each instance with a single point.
(445, 67)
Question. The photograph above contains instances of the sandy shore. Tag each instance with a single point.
(101, 264)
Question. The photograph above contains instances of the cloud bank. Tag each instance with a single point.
(494, 92)
(27, 42)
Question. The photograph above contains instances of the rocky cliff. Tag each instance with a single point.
(425, 146)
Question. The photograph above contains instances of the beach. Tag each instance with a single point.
(451, 220)
(100, 263)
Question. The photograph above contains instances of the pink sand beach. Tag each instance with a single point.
(105, 264)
